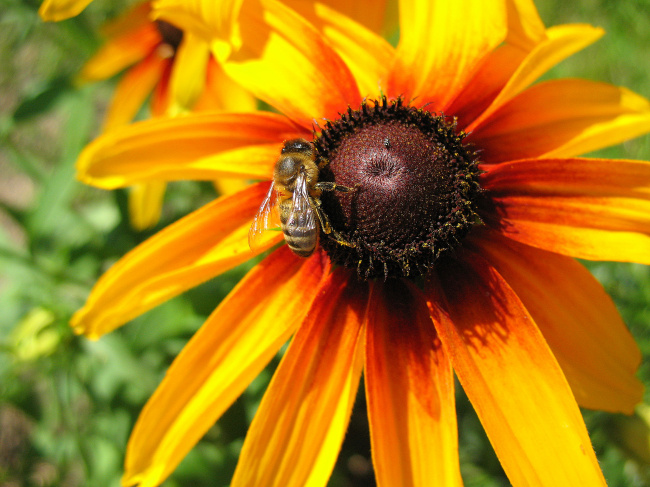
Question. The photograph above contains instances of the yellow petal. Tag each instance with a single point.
(511, 377)
(561, 42)
(145, 204)
(410, 392)
(372, 14)
(222, 94)
(211, 20)
(55, 10)
(367, 55)
(133, 90)
(188, 76)
(588, 208)
(224, 356)
(441, 44)
(298, 429)
(578, 320)
(525, 27)
(561, 118)
(198, 146)
(196, 248)
(284, 60)
(229, 186)
(121, 52)
(525, 31)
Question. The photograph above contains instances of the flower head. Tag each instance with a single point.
(464, 205)
(174, 69)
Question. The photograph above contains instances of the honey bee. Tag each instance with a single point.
(296, 191)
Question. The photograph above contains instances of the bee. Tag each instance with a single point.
(296, 191)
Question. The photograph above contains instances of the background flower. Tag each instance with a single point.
(174, 69)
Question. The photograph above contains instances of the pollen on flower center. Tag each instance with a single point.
(415, 186)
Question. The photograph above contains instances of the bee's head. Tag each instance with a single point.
(300, 146)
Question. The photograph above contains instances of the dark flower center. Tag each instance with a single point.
(415, 187)
(171, 35)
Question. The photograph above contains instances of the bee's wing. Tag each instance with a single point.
(263, 219)
(303, 215)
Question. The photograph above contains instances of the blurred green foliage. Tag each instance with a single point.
(67, 404)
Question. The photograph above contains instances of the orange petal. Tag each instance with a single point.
(133, 90)
(352, 34)
(196, 248)
(297, 432)
(588, 208)
(55, 10)
(511, 377)
(121, 52)
(561, 118)
(410, 390)
(284, 60)
(197, 146)
(561, 42)
(441, 44)
(224, 356)
(525, 31)
(130, 20)
(372, 14)
(578, 319)
(222, 93)
(145, 204)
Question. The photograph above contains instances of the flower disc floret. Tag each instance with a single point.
(415, 188)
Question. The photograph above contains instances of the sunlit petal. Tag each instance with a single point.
(55, 10)
(198, 146)
(198, 247)
(222, 94)
(214, 21)
(561, 42)
(561, 118)
(441, 44)
(511, 377)
(410, 391)
(525, 27)
(145, 204)
(578, 320)
(372, 14)
(284, 60)
(525, 31)
(368, 55)
(224, 356)
(188, 76)
(300, 424)
(588, 208)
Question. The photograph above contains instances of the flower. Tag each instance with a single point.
(453, 246)
(182, 75)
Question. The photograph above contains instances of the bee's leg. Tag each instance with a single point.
(327, 186)
(327, 226)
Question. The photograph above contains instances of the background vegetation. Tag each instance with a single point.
(67, 404)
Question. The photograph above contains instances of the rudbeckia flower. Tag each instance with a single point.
(452, 204)
(173, 68)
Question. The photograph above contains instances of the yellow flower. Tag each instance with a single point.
(452, 251)
(181, 73)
